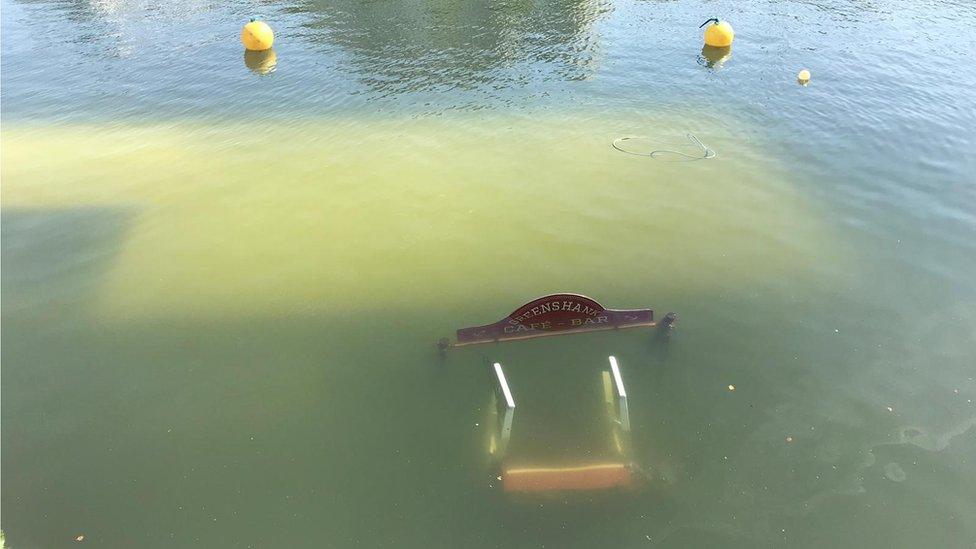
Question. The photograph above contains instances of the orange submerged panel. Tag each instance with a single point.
(590, 477)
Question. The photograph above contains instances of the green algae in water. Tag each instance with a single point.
(261, 301)
(322, 217)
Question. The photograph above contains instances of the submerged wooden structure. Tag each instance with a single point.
(558, 314)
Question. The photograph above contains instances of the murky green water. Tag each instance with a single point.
(222, 288)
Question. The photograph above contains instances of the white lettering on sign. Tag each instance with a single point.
(551, 306)
(585, 321)
(528, 327)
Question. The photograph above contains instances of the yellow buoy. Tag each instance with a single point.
(257, 35)
(719, 34)
(803, 77)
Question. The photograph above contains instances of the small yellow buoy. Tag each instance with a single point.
(719, 34)
(257, 35)
(803, 77)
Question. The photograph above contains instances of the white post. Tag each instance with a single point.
(503, 383)
(621, 394)
(506, 432)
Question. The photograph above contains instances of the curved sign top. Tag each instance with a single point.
(554, 315)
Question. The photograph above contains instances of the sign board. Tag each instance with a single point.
(554, 315)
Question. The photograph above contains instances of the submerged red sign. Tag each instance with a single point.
(555, 314)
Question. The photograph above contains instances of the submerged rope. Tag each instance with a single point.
(706, 152)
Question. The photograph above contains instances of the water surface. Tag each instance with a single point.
(222, 283)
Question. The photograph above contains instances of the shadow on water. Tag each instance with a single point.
(261, 63)
(282, 429)
(52, 255)
(439, 45)
(714, 57)
(286, 430)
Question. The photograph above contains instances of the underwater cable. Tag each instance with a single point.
(685, 157)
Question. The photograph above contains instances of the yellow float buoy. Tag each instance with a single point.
(803, 77)
(719, 34)
(257, 35)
